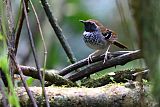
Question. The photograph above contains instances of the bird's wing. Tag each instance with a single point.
(109, 35)
(120, 45)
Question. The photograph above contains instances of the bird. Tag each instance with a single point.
(100, 38)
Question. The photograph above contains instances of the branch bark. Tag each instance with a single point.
(53, 77)
(107, 96)
(50, 75)
(118, 77)
(84, 62)
(58, 32)
(120, 60)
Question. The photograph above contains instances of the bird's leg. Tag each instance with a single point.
(96, 53)
(106, 53)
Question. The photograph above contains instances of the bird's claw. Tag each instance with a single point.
(105, 58)
(89, 59)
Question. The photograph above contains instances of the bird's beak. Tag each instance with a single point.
(82, 21)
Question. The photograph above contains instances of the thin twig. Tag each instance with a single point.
(120, 60)
(34, 53)
(11, 36)
(24, 83)
(19, 28)
(84, 62)
(58, 32)
(10, 40)
(1, 31)
(2, 90)
(44, 45)
(4, 99)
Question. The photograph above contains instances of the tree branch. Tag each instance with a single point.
(19, 27)
(50, 75)
(34, 54)
(58, 32)
(120, 60)
(84, 62)
(118, 77)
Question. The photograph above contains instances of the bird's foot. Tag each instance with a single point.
(105, 58)
(89, 58)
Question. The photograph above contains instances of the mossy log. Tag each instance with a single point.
(111, 95)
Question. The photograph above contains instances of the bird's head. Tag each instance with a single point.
(89, 25)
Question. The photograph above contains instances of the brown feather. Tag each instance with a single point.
(120, 45)
(104, 32)
(103, 28)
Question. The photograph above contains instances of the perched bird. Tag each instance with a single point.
(100, 38)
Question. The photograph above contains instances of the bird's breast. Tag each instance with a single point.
(95, 40)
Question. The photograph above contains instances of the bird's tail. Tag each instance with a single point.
(120, 45)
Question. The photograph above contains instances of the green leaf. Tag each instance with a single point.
(4, 63)
(29, 81)
(1, 36)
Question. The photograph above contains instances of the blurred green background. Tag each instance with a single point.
(68, 13)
